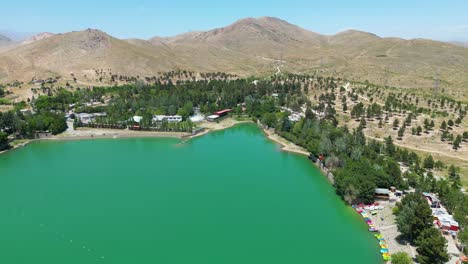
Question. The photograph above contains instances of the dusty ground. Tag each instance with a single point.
(86, 133)
(425, 144)
(384, 220)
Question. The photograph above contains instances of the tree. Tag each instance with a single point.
(428, 162)
(358, 110)
(285, 124)
(450, 123)
(4, 141)
(401, 132)
(453, 174)
(363, 123)
(414, 216)
(432, 247)
(444, 136)
(270, 119)
(443, 126)
(427, 125)
(394, 171)
(457, 142)
(401, 258)
(418, 130)
(389, 146)
(396, 123)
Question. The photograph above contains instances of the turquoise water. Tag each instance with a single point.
(227, 197)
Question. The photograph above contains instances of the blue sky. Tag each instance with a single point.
(436, 19)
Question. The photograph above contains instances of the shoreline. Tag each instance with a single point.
(99, 133)
(286, 145)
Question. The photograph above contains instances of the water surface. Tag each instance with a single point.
(228, 197)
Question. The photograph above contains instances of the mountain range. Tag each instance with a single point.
(251, 46)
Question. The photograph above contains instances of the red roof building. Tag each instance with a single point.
(223, 112)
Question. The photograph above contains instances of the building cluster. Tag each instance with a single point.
(442, 218)
(293, 116)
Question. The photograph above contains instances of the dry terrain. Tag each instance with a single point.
(247, 47)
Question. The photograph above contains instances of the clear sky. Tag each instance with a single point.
(436, 19)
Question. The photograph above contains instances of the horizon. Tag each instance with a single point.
(442, 21)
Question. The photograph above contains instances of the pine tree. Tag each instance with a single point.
(457, 142)
(363, 123)
(443, 126)
(432, 247)
(418, 130)
(429, 162)
(396, 123)
(401, 132)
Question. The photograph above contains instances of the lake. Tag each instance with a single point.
(230, 196)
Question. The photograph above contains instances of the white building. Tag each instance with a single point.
(294, 117)
(168, 118)
(137, 119)
(85, 118)
(212, 118)
(197, 118)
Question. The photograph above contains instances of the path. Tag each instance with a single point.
(421, 149)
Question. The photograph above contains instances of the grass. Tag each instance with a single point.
(242, 118)
(4, 101)
(17, 142)
(463, 165)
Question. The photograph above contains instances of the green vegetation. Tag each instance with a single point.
(432, 247)
(414, 216)
(401, 258)
(414, 221)
(3, 141)
(359, 165)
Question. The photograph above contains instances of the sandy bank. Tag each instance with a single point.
(89, 133)
(286, 145)
(385, 221)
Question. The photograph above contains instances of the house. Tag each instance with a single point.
(432, 200)
(85, 118)
(382, 193)
(294, 117)
(197, 118)
(223, 112)
(212, 118)
(168, 118)
(137, 119)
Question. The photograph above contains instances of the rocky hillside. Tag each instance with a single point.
(247, 47)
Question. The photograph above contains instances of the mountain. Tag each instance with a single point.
(80, 53)
(16, 36)
(37, 37)
(459, 43)
(4, 41)
(250, 46)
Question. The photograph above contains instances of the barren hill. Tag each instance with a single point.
(37, 37)
(5, 41)
(459, 43)
(247, 47)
